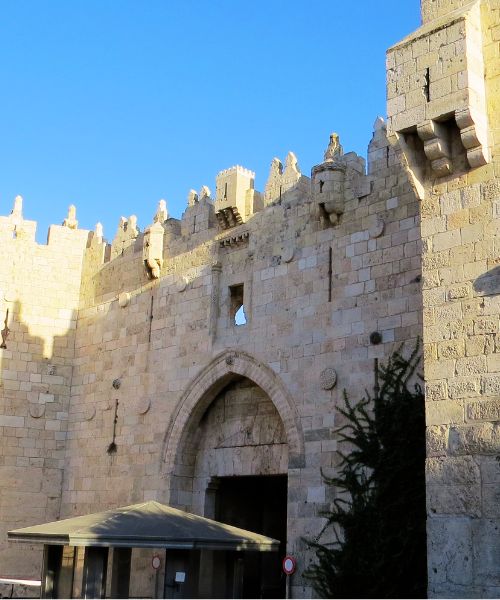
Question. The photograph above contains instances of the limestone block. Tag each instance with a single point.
(436, 440)
(453, 486)
(474, 439)
(485, 410)
(450, 556)
(486, 551)
(444, 411)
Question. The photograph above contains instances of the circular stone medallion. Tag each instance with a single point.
(37, 410)
(89, 413)
(328, 378)
(377, 229)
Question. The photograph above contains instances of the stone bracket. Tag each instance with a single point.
(234, 240)
(228, 217)
(473, 131)
(436, 147)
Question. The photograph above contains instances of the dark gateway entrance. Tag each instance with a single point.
(257, 503)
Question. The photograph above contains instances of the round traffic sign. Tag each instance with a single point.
(289, 565)
(156, 562)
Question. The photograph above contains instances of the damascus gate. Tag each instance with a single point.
(197, 362)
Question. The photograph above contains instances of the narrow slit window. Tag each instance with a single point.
(427, 85)
(237, 310)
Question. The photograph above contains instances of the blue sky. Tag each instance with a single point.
(114, 104)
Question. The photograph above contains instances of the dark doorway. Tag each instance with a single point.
(256, 503)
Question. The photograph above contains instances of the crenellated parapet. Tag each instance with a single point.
(281, 180)
(126, 234)
(199, 215)
(14, 226)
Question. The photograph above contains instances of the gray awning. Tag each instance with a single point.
(145, 525)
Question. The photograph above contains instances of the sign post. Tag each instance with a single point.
(289, 566)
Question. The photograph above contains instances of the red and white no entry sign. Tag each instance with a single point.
(289, 565)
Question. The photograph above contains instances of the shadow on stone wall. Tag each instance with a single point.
(488, 284)
(34, 403)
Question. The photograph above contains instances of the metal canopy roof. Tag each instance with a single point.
(145, 525)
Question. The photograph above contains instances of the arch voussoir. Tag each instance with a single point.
(207, 383)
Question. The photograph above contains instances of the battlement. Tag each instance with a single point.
(237, 169)
(235, 201)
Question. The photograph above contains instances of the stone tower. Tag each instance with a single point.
(443, 90)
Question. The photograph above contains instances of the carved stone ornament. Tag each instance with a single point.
(124, 299)
(36, 410)
(70, 221)
(287, 254)
(230, 358)
(89, 413)
(334, 150)
(328, 378)
(181, 284)
(377, 229)
(142, 406)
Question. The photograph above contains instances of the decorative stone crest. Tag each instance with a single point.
(70, 221)
(328, 378)
(16, 214)
(161, 214)
(192, 198)
(99, 231)
(334, 150)
(204, 193)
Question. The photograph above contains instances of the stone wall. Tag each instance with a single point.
(158, 351)
(452, 62)
(145, 336)
(39, 297)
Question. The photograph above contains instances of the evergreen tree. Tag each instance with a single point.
(378, 516)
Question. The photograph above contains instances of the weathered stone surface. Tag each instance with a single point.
(475, 439)
(486, 551)
(450, 557)
(437, 440)
(316, 266)
(487, 410)
(454, 486)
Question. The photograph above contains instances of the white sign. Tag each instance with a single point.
(180, 577)
(156, 562)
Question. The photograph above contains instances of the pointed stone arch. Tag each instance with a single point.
(201, 392)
